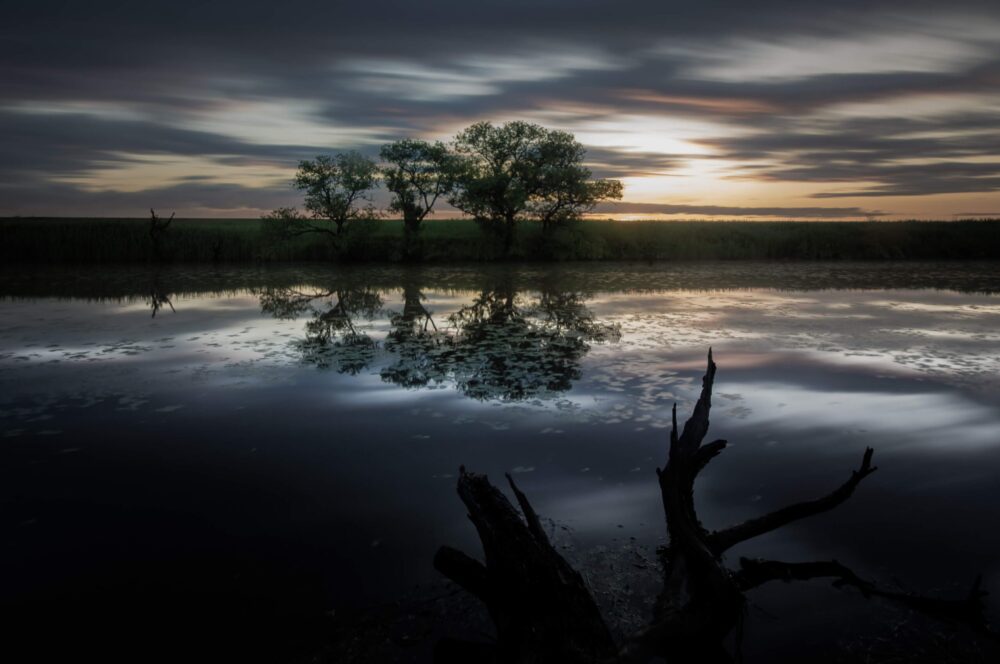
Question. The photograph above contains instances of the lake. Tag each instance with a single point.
(258, 463)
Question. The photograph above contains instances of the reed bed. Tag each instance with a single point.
(68, 240)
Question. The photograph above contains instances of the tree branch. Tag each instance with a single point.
(969, 611)
(463, 570)
(722, 540)
(534, 524)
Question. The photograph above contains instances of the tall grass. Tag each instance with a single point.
(65, 240)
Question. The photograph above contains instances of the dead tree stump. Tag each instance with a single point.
(543, 611)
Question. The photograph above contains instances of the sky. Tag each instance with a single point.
(714, 110)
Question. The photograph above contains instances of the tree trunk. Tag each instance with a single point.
(411, 240)
(508, 235)
(540, 605)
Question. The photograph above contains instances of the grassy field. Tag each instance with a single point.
(66, 240)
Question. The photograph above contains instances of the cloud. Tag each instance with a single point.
(91, 87)
(610, 162)
(947, 153)
(729, 211)
(191, 199)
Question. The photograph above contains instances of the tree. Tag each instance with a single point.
(417, 173)
(157, 230)
(337, 191)
(519, 171)
(570, 195)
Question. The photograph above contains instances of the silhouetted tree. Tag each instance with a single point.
(417, 173)
(157, 230)
(337, 191)
(565, 189)
(520, 170)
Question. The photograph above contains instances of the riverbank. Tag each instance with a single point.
(90, 240)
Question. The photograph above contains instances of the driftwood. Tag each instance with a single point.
(543, 611)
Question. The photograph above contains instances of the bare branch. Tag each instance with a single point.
(706, 453)
(463, 570)
(696, 427)
(722, 540)
(534, 525)
(969, 611)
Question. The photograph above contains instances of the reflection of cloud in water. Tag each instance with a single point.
(546, 350)
(807, 380)
(502, 345)
(956, 340)
(594, 508)
(937, 420)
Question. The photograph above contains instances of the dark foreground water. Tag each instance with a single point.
(258, 464)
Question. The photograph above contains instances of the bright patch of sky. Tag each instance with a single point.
(937, 48)
(476, 75)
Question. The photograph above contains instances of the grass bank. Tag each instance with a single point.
(68, 240)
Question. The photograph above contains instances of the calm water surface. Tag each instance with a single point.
(215, 461)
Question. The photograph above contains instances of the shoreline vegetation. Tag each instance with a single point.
(526, 194)
(56, 240)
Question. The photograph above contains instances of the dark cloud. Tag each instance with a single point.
(621, 162)
(210, 199)
(391, 68)
(61, 144)
(897, 156)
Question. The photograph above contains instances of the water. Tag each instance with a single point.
(212, 462)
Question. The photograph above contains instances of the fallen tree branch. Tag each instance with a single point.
(969, 610)
(722, 540)
(540, 605)
(544, 612)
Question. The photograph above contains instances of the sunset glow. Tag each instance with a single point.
(819, 112)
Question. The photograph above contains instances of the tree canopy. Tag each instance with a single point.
(498, 174)
(337, 191)
(519, 170)
(417, 173)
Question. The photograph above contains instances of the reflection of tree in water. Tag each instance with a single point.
(158, 296)
(331, 338)
(416, 342)
(501, 346)
(508, 347)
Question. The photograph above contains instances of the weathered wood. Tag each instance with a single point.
(541, 607)
(722, 540)
(969, 610)
(544, 612)
(700, 603)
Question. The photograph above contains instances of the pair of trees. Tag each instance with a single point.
(499, 175)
